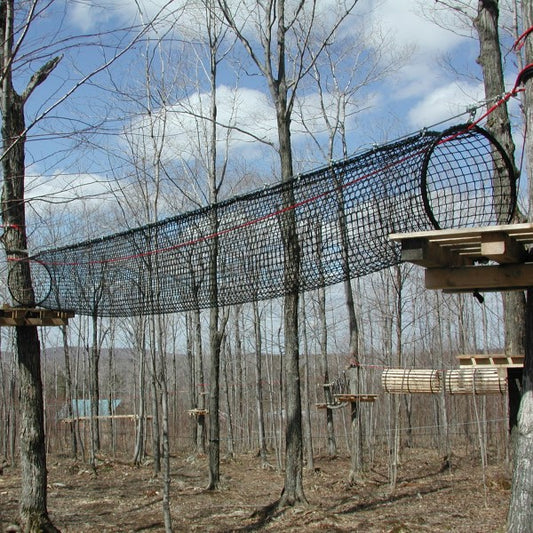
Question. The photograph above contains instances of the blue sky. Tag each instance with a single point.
(422, 91)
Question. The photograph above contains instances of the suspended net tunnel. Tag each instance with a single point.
(341, 216)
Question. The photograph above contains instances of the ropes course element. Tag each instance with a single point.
(233, 252)
(338, 386)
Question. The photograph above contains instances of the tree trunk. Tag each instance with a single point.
(225, 353)
(200, 385)
(307, 400)
(356, 452)
(498, 123)
(140, 346)
(214, 420)
(94, 392)
(293, 492)
(330, 428)
(520, 517)
(165, 437)
(68, 393)
(259, 386)
(33, 508)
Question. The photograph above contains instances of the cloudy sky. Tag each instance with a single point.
(423, 90)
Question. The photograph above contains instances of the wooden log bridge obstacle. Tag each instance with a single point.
(406, 381)
(476, 381)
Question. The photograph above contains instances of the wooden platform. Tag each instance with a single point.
(197, 412)
(351, 398)
(459, 260)
(103, 417)
(26, 316)
(491, 360)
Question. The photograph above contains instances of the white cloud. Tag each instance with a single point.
(66, 188)
(408, 23)
(443, 103)
(245, 117)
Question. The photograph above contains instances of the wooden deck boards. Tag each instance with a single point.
(28, 316)
(491, 258)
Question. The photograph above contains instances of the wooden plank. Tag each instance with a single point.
(491, 360)
(411, 380)
(481, 278)
(29, 316)
(503, 244)
(522, 232)
(197, 412)
(425, 253)
(476, 381)
(103, 417)
(502, 248)
(351, 398)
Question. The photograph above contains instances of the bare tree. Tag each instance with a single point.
(282, 33)
(33, 505)
(520, 517)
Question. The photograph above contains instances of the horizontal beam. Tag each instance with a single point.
(501, 248)
(481, 278)
(428, 254)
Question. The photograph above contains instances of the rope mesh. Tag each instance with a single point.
(343, 215)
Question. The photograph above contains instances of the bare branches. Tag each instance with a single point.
(40, 76)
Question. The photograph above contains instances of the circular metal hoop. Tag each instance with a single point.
(41, 282)
(467, 180)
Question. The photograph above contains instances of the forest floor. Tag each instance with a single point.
(123, 498)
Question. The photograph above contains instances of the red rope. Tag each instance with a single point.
(227, 230)
(521, 41)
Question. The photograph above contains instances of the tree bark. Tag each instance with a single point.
(94, 392)
(33, 505)
(68, 393)
(259, 386)
(520, 517)
(498, 123)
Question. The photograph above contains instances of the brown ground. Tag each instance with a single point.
(122, 498)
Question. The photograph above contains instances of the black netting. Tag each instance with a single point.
(343, 215)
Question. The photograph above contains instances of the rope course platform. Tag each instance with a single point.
(491, 258)
(480, 380)
(340, 392)
(197, 412)
(25, 316)
(491, 360)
